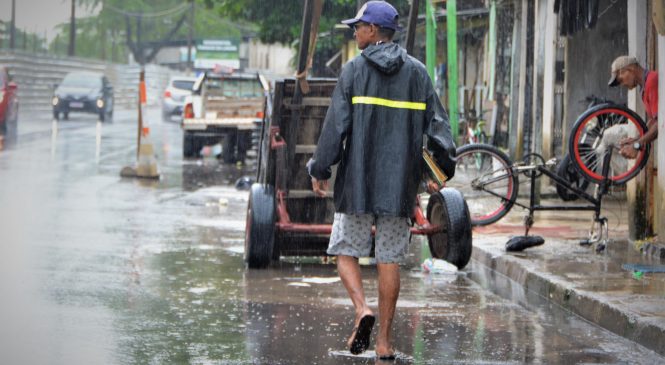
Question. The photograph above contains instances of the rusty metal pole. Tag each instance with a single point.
(305, 33)
(411, 28)
(141, 95)
(190, 37)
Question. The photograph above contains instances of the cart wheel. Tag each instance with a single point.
(260, 229)
(448, 209)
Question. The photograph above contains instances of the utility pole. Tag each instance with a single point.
(453, 101)
(12, 27)
(190, 37)
(430, 44)
(411, 29)
(72, 31)
(139, 46)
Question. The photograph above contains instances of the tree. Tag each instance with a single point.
(279, 21)
(106, 33)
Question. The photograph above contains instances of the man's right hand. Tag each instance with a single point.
(626, 148)
(319, 187)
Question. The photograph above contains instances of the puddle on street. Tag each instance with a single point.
(154, 274)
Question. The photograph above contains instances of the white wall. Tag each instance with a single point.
(274, 58)
(550, 30)
(660, 144)
(637, 40)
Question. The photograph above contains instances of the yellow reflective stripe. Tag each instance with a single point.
(389, 103)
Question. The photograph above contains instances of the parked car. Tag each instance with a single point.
(82, 91)
(8, 104)
(174, 96)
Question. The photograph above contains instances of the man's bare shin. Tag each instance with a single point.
(389, 285)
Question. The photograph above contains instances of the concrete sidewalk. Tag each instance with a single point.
(594, 286)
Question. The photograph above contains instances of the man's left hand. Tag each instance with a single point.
(433, 186)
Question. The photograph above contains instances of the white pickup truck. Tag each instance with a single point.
(224, 109)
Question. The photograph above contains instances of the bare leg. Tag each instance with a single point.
(389, 284)
(349, 271)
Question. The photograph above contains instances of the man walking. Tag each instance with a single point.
(627, 72)
(383, 105)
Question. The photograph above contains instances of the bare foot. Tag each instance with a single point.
(383, 349)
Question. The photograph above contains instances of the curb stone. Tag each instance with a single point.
(647, 331)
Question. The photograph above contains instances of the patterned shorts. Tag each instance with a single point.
(352, 236)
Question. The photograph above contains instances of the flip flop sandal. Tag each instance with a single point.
(387, 357)
(360, 341)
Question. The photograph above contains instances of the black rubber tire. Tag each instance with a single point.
(481, 157)
(448, 209)
(568, 172)
(260, 229)
(613, 115)
(190, 146)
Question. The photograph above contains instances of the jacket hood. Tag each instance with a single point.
(386, 57)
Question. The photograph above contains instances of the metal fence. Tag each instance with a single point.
(37, 74)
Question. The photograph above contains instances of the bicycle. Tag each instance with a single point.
(491, 186)
(473, 128)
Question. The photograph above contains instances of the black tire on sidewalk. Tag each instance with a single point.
(260, 229)
(449, 210)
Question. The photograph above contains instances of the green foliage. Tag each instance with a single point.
(104, 35)
(279, 21)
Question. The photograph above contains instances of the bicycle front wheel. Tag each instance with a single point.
(485, 178)
(597, 133)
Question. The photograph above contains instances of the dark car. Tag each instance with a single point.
(87, 92)
(8, 103)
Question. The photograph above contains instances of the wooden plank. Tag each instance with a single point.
(277, 104)
(301, 194)
(305, 148)
(311, 101)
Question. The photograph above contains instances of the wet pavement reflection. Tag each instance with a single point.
(102, 270)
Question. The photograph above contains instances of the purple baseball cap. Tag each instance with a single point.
(376, 12)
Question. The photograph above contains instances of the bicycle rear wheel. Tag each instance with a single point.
(598, 132)
(568, 172)
(485, 177)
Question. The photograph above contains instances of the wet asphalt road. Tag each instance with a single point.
(95, 269)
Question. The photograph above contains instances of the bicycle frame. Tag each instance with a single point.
(595, 201)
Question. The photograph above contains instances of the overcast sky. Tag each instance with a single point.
(39, 15)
